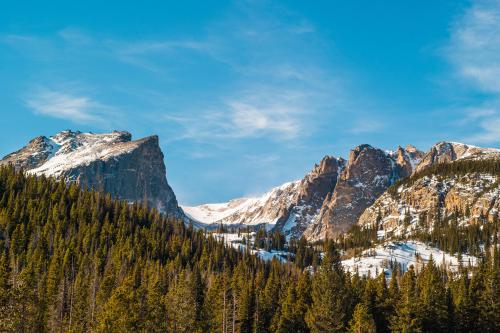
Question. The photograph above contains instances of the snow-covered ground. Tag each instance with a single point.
(237, 242)
(407, 253)
(372, 261)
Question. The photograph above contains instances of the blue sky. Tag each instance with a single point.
(247, 95)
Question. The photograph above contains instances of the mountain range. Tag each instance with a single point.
(335, 195)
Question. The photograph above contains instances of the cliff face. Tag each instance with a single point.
(289, 208)
(112, 162)
(475, 196)
(312, 191)
(369, 172)
(326, 202)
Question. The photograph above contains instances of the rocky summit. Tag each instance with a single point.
(132, 170)
(369, 172)
(328, 200)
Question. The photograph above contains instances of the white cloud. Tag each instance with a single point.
(251, 120)
(259, 112)
(474, 50)
(147, 54)
(78, 109)
(475, 46)
(491, 131)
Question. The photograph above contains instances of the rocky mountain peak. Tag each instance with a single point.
(358, 151)
(363, 159)
(289, 208)
(445, 152)
(407, 159)
(129, 170)
(368, 173)
(410, 149)
(327, 165)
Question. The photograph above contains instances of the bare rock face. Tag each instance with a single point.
(289, 208)
(311, 194)
(112, 162)
(369, 172)
(475, 196)
(34, 154)
(407, 159)
(445, 152)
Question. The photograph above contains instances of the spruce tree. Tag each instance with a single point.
(330, 296)
(362, 320)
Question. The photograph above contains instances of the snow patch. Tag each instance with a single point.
(375, 260)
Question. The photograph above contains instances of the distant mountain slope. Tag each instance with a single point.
(289, 208)
(468, 189)
(444, 152)
(129, 170)
(250, 211)
(303, 207)
(336, 193)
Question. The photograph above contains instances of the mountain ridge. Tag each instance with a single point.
(131, 170)
(326, 202)
(398, 164)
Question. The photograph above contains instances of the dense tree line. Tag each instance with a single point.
(79, 261)
(446, 232)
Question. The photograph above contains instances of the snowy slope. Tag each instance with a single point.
(237, 242)
(72, 149)
(266, 209)
(407, 253)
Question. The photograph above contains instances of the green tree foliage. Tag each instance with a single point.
(330, 306)
(80, 261)
(362, 320)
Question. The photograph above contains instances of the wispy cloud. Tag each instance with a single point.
(475, 45)
(277, 93)
(251, 113)
(75, 36)
(147, 54)
(474, 50)
(272, 76)
(75, 108)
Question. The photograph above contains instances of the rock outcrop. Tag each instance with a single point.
(112, 162)
(414, 205)
(312, 191)
(369, 172)
(445, 152)
(407, 159)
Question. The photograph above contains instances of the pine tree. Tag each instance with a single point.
(294, 307)
(362, 321)
(330, 296)
(122, 312)
(179, 302)
(406, 317)
(432, 299)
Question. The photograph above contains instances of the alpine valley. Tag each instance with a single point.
(92, 239)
